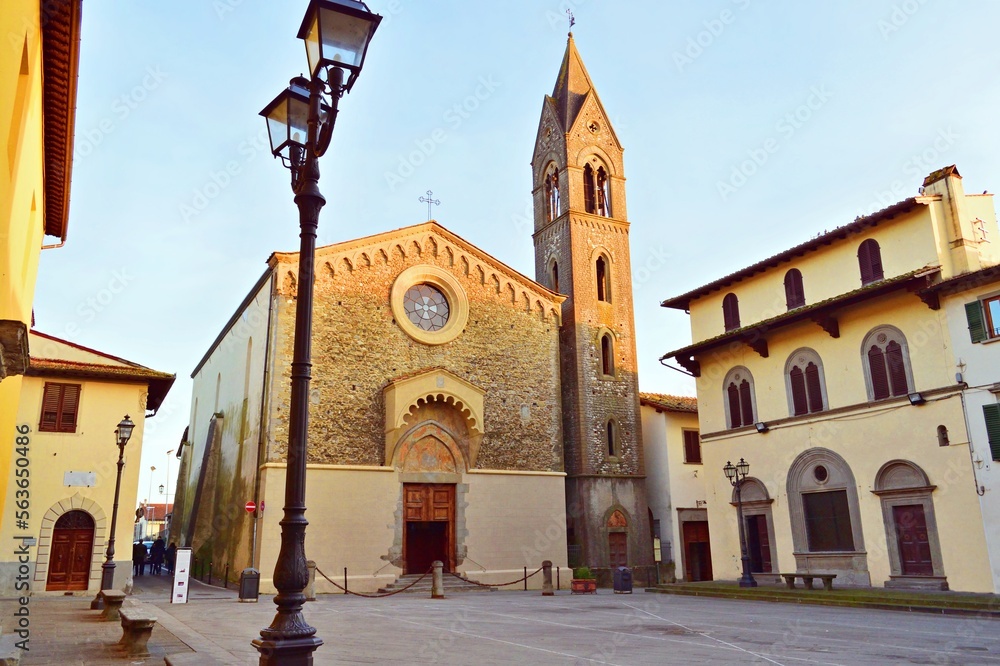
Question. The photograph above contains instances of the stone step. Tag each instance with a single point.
(451, 584)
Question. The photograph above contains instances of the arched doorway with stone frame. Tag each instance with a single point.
(759, 525)
(911, 533)
(616, 524)
(825, 517)
(434, 430)
(48, 534)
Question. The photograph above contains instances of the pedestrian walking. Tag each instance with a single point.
(156, 557)
(138, 558)
(170, 556)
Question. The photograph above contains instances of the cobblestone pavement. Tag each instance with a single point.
(528, 629)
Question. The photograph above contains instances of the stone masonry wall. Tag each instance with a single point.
(510, 348)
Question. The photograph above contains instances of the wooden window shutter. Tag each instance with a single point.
(794, 294)
(799, 402)
(876, 260)
(70, 406)
(692, 446)
(864, 263)
(880, 380)
(992, 415)
(60, 404)
(734, 405)
(731, 312)
(51, 398)
(897, 369)
(977, 325)
(870, 261)
(746, 402)
(814, 388)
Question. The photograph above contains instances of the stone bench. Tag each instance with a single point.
(807, 579)
(137, 626)
(191, 659)
(113, 600)
(10, 654)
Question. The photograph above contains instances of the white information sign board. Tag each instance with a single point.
(182, 576)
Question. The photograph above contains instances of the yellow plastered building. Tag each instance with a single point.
(831, 369)
(61, 493)
(38, 72)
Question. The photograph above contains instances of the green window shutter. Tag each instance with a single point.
(992, 415)
(977, 327)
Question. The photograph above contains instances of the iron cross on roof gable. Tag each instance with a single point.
(430, 201)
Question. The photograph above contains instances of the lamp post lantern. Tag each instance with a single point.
(300, 123)
(736, 474)
(122, 434)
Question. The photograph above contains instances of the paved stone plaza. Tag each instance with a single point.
(525, 628)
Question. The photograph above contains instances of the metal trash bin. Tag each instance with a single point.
(623, 580)
(249, 585)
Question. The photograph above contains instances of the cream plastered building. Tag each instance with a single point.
(676, 489)
(831, 368)
(38, 71)
(62, 484)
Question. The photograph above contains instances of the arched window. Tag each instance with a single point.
(596, 190)
(612, 436)
(805, 383)
(886, 360)
(555, 276)
(589, 189)
(553, 205)
(739, 397)
(603, 193)
(870, 261)
(603, 280)
(607, 354)
(731, 312)
(825, 514)
(795, 296)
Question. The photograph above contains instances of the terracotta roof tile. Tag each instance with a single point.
(683, 302)
(670, 403)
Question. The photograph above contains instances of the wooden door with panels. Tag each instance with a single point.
(72, 550)
(429, 529)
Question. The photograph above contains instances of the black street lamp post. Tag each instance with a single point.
(736, 474)
(300, 124)
(122, 434)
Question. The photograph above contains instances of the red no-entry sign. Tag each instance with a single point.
(251, 507)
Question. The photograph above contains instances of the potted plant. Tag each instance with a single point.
(584, 582)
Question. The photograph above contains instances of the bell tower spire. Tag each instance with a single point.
(582, 250)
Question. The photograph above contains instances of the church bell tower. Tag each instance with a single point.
(582, 251)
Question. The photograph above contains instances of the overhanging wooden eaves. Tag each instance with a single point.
(824, 314)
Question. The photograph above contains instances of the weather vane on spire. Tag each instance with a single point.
(572, 20)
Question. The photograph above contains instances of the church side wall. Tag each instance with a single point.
(230, 383)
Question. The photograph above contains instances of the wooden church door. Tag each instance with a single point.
(430, 526)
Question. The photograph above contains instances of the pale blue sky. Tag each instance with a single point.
(169, 96)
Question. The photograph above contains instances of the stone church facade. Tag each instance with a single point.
(458, 410)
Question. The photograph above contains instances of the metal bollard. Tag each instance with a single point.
(345, 580)
(437, 580)
(558, 583)
(210, 573)
(311, 585)
(525, 579)
(547, 579)
(226, 582)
